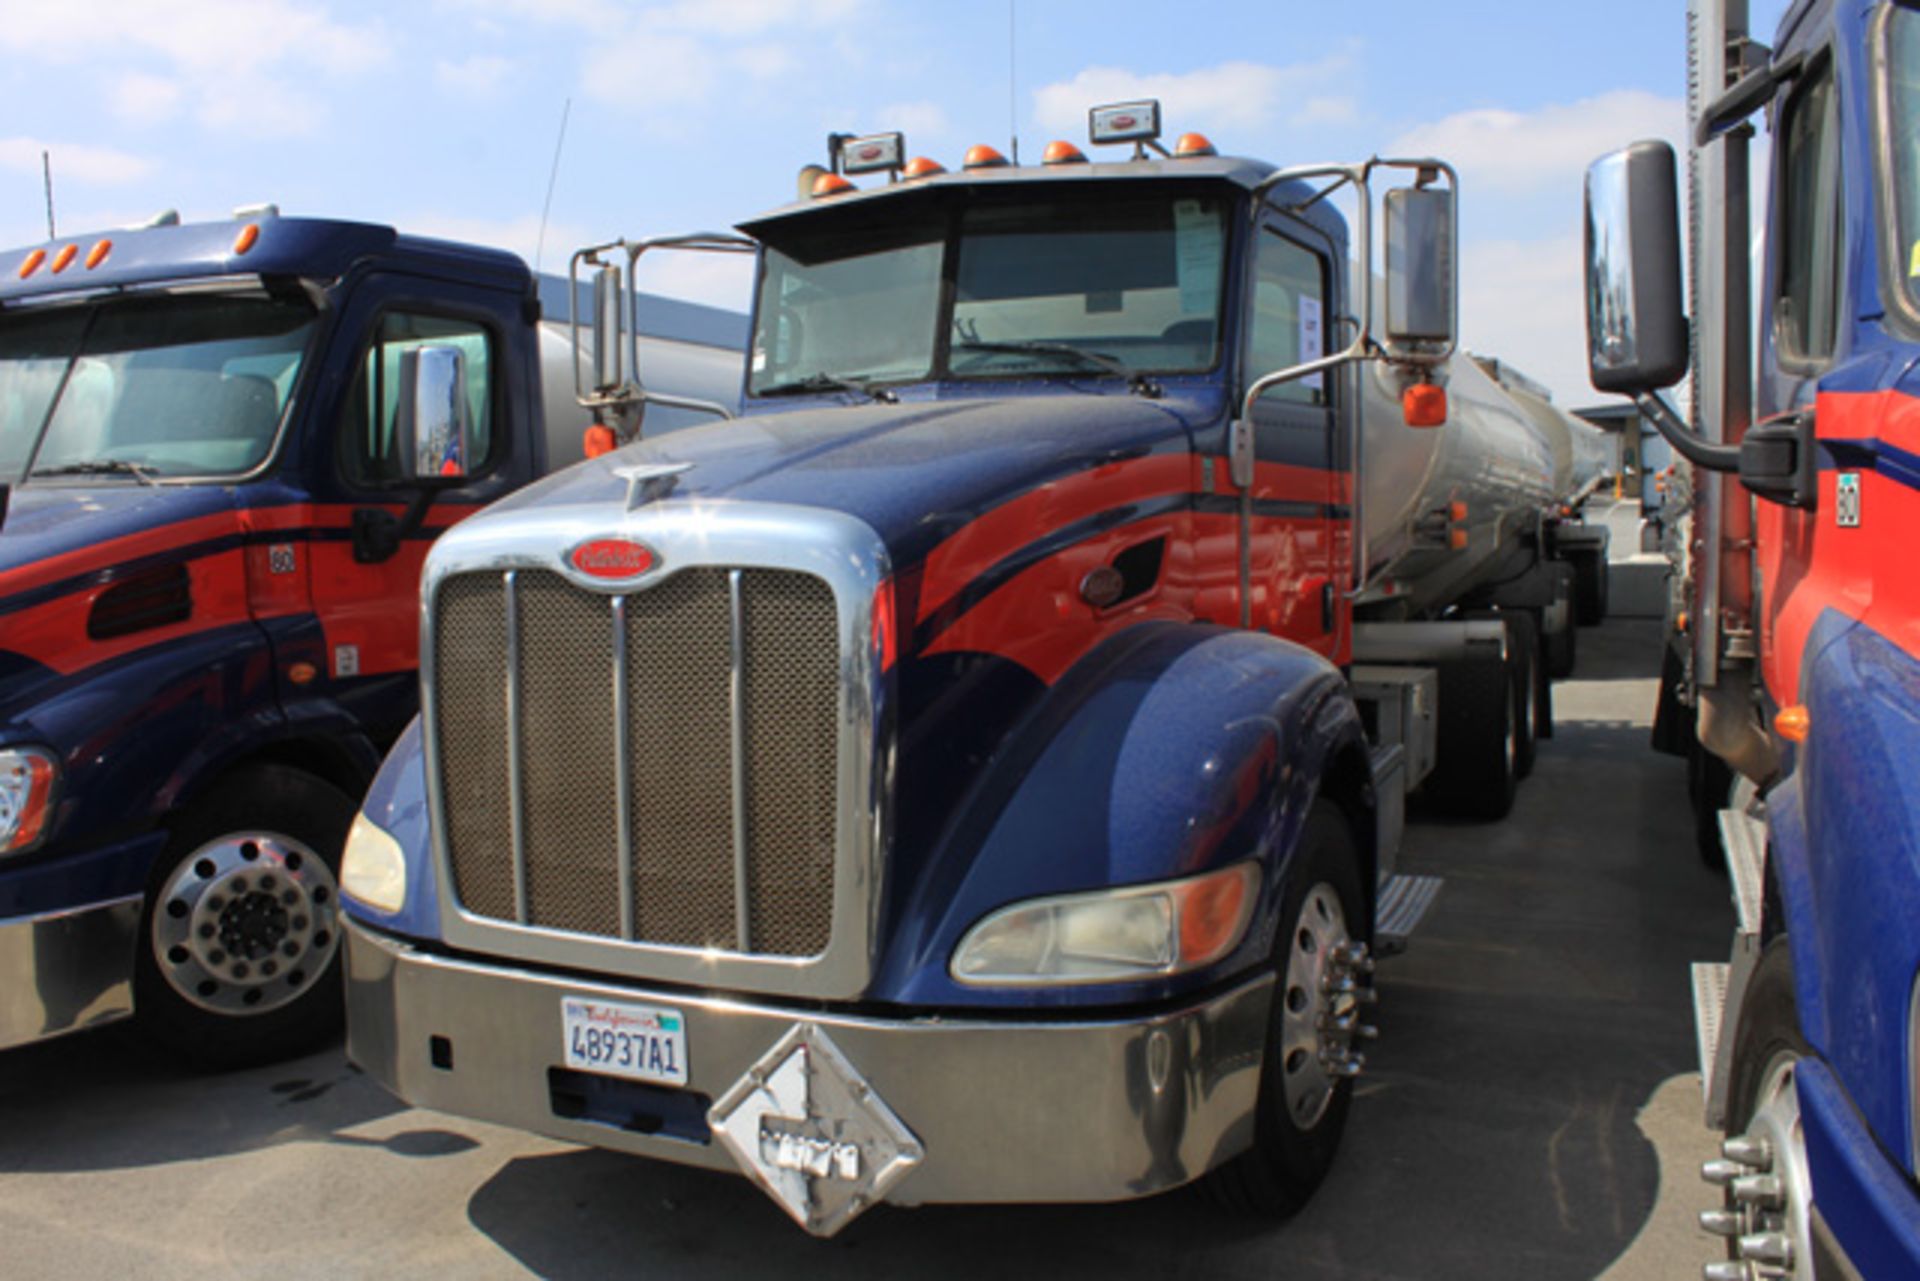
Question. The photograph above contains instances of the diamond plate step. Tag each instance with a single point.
(1709, 1007)
(1404, 902)
(1744, 839)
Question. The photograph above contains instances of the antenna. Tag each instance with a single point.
(46, 170)
(1013, 117)
(553, 176)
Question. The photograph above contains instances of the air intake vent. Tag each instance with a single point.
(152, 598)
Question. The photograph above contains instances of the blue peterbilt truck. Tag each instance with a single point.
(1794, 685)
(975, 773)
(208, 563)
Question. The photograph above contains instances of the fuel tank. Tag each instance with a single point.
(1488, 472)
(1581, 453)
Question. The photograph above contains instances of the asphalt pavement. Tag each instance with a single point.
(1531, 1109)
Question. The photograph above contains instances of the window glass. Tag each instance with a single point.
(1134, 279)
(368, 450)
(1287, 325)
(1807, 308)
(174, 386)
(1903, 72)
(853, 303)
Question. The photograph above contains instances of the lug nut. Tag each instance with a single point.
(1367, 1032)
(1749, 1151)
(1721, 1173)
(1728, 1271)
(1761, 1190)
(1722, 1223)
(1766, 1247)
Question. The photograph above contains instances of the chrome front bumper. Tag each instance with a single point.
(66, 970)
(1005, 1111)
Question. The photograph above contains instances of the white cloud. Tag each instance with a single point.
(1326, 111)
(719, 280)
(146, 100)
(73, 162)
(1511, 151)
(474, 77)
(660, 59)
(741, 19)
(1242, 95)
(250, 66)
(651, 74)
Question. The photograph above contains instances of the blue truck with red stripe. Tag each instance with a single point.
(1795, 672)
(975, 773)
(209, 566)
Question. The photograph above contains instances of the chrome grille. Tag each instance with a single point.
(587, 747)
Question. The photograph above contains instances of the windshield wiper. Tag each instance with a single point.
(100, 467)
(831, 382)
(1137, 383)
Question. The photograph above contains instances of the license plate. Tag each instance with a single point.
(639, 1042)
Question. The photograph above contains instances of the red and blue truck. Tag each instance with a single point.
(976, 772)
(1797, 646)
(210, 550)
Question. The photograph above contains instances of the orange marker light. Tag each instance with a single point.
(1457, 539)
(923, 167)
(1194, 144)
(1683, 622)
(1062, 152)
(981, 156)
(64, 257)
(32, 263)
(244, 241)
(302, 673)
(1213, 913)
(1456, 511)
(597, 440)
(830, 184)
(1793, 723)
(98, 254)
(1423, 405)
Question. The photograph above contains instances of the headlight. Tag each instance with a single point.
(27, 776)
(373, 870)
(1141, 931)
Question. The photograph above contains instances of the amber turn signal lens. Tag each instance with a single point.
(830, 184)
(98, 254)
(302, 673)
(597, 440)
(32, 263)
(922, 167)
(1424, 405)
(1793, 723)
(1063, 152)
(1194, 144)
(64, 257)
(1213, 913)
(981, 156)
(244, 241)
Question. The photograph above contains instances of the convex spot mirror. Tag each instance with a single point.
(1636, 329)
(434, 431)
(1421, 272)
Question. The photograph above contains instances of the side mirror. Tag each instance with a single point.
(609, 329)
(1636, 329)
(1421, 271)
(433, 431)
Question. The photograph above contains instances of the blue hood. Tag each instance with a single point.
(44, 521)
(914, 472)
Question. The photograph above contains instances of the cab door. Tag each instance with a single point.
(367, 603)
(1299, 517)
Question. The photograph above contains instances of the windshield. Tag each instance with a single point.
(1903, 121)
(177, 385)
(1081, 282)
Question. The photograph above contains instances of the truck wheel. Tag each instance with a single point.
(1559, 649)
(242, 941)
(1522, 651)
(1476, 745)
(1764, 1135)
(1709, 786)
(1306, 1080)
(1590, 588)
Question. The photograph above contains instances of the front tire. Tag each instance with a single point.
(1764, 1133)
(1306, 1081)
(239, 962)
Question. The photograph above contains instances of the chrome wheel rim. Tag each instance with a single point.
(1319, 1006)
(246, 923)
(1768, 1202)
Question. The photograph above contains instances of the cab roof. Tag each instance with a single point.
(314, 248)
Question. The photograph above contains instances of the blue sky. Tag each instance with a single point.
(440, 116)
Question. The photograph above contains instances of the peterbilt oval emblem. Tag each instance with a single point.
(612, 558)
(869, 153)
(1123, 122)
